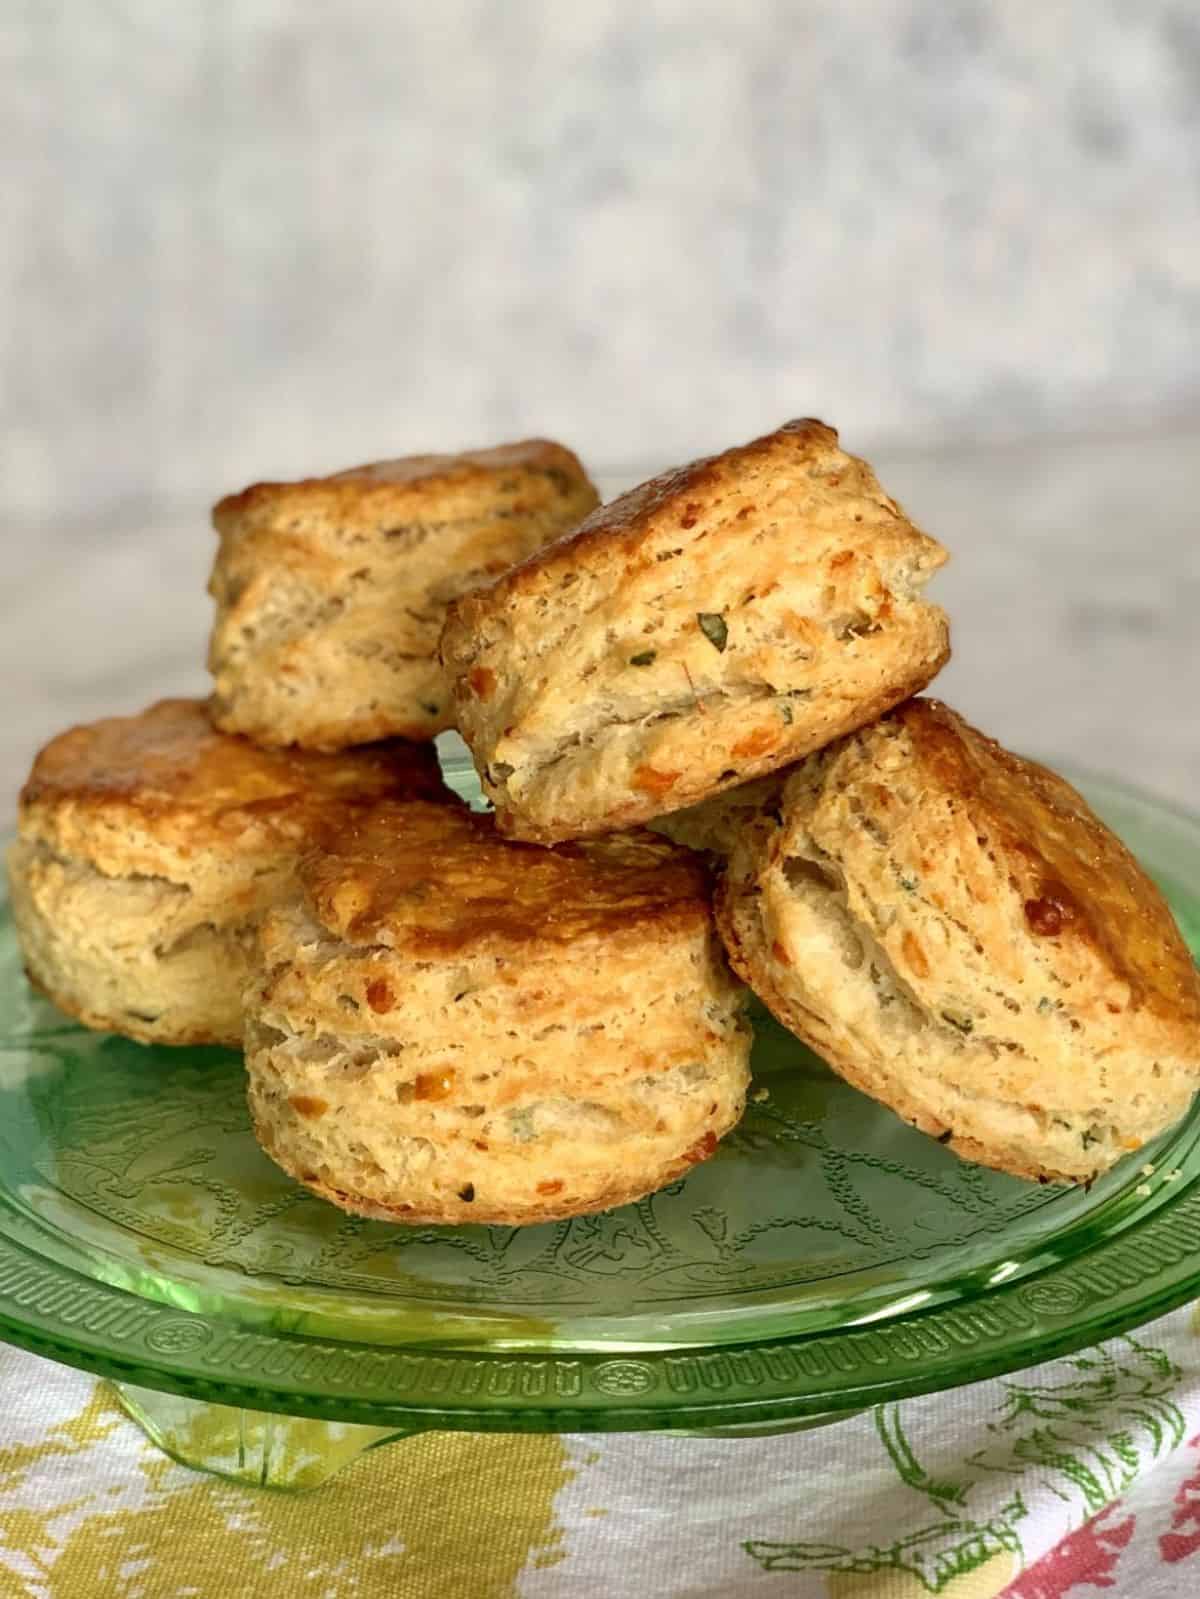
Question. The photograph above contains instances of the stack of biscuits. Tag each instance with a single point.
(692, 712)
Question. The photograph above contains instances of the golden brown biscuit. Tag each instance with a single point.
(451, 1028)
(149, 844)
(960, 937)
(331, 592)
(714, 624)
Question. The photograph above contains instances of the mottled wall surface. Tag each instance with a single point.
(273, 235)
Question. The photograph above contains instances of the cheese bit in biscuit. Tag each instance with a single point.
(331, 592)
(149, 844)
(961, 938)
(450, 1028)
(713, 625)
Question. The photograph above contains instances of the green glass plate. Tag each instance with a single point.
(828, 1256)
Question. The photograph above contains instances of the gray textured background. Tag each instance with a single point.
(273, 237)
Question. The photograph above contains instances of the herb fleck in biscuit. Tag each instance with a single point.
(717, 623)
(451, 1028)
(960, 937)
(148, 845)
(331, 592)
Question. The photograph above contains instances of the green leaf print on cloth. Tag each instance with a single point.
(1076, 1433)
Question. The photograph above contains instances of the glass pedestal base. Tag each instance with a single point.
(253, 1447)
(294, 1453)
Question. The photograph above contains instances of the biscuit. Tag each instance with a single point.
(714, 826)
(148, 845)
(712, 625)
(961, 938)
(452, 1028)
(331, 592)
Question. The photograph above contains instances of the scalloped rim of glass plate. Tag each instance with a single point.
(443, 1323)
(1110, 1290)
(1152, 1267)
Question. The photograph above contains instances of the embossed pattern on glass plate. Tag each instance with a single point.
(828, 1254)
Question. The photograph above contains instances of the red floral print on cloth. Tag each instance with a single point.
(1184, 1538)
(1088, 1556)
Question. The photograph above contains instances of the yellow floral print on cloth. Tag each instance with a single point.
(441, 1516)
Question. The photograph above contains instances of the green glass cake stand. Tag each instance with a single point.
(827, 1257)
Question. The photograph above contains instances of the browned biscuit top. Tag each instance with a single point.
(644, 525)
(515, 478)
(1078, 880)
(435, 881)
(169, 765)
